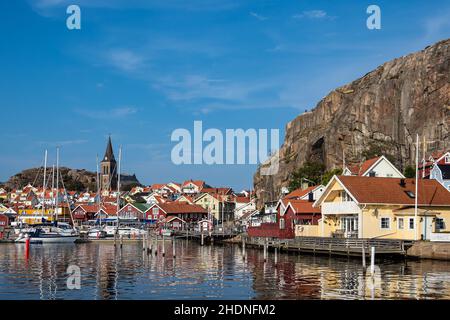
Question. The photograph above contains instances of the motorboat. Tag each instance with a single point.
(48, 235)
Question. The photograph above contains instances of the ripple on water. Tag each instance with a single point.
(209, 272)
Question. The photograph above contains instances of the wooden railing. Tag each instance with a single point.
(334, 245)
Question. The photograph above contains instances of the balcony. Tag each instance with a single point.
(337, 208)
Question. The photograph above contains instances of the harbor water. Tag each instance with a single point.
(208, 272)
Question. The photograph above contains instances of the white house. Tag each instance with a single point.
(441, 170)
(377, 167)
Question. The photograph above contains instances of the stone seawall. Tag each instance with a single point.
(430, 250)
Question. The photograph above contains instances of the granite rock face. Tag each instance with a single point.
(384, 110)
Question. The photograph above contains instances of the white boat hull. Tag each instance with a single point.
(58, 239)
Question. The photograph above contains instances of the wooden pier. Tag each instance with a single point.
(333, 246)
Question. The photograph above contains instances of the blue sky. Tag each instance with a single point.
(140, 69)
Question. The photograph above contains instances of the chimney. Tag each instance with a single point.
(311, 197)
(402, 183)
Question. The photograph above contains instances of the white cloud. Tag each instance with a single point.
(62, 143)
(124, 59)
(258, 16)
(107, 114)
(312, 14)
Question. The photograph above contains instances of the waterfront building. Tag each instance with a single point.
(220, 207)
(133, 212)
(189, 213)
(376, 167)
(243, 205)
(368, 207)
(293, 218)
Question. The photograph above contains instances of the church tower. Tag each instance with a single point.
(108, 169)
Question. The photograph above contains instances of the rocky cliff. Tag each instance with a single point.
(381, 112)
(74, 179)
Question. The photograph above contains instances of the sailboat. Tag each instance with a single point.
(50, 232)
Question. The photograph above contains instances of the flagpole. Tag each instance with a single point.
(416, 198)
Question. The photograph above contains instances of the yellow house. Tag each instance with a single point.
(218, 206)
(384, 208)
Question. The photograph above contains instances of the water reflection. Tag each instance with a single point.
(209, 272)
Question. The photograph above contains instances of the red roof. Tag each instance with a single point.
(303, 206)
(199, 183)
(217, 190)
(296, 194)
(389, 191)
(242, 199)
(181, 207)
(359, 170)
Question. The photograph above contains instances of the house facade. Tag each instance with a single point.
(376, 167)
(383, 208)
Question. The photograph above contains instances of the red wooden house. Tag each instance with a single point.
(187, 212)
(84, 212)
(289, 214)
(4, 222)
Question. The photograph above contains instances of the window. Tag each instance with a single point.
(155, 211)
(385, 223)
(282, 224)
(345, 197)
(440, 224)
(401, 223)
(411, 223)
(447, 159)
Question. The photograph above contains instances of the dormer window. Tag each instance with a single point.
(447, 159)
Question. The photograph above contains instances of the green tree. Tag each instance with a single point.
(330, 174)
(312, 171)
(409, 172)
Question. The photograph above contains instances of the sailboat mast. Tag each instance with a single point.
(52, 191)
(44, 185)
(98, 191)
(57, 185)
(118, 185)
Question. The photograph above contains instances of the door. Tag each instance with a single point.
(427, 227)
(350, 226)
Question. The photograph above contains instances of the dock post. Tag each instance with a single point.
(203, 239)
(115, 239)
(156, 245)
(243, 247)
(364, 256)
(121, 241)
(372, 262)
(150, 246)
(148, 242)
(173, 249)
(276, 255)
(144, 242)
(265, 251)
(164, 247)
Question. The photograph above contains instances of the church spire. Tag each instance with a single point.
(109, 154)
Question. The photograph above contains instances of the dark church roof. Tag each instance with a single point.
(109, 154)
